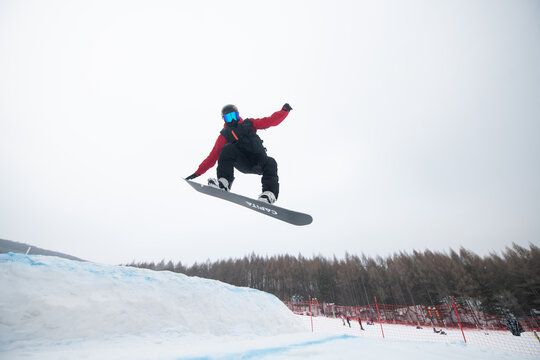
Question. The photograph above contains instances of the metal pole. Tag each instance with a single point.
(379, 315)
(310, 313)
(359, 319)
(459, 321)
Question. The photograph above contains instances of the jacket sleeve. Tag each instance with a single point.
(273, 120)
(211, 159)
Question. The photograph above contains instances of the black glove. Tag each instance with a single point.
(192, 176)
(286, 107)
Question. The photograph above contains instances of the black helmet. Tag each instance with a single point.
(229, 113)
(228, 109)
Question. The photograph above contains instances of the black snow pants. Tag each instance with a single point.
(231, 157)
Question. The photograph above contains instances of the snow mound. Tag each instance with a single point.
(52, 299)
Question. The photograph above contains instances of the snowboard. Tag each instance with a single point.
(289, 216)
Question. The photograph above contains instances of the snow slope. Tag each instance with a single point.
(53, 299)
(52, 308)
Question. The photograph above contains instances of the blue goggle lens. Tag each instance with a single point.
(234, 116)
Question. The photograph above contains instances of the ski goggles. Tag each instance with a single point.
(233, 116)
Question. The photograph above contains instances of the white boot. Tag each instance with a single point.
(222, 183)
(267, 197)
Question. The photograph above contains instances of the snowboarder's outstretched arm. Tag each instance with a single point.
(212, 158)
(273, 120)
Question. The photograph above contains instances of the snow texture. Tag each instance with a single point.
(53, 308)
(48, 295)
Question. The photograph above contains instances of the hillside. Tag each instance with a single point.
(7, 246)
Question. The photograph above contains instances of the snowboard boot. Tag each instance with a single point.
(222, 183)
(267, 197)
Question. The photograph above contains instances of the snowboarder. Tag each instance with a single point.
(238, 146)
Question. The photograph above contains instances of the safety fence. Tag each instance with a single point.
(441, 323)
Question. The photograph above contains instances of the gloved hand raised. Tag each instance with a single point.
(286, 107)
(192, 176)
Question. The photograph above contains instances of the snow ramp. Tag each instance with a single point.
(54, 299)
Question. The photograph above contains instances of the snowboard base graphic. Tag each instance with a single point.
(289, 216)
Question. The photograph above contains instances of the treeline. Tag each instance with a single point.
(496, 284)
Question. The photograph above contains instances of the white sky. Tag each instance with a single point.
(415, 125)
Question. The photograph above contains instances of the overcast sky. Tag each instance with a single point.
(415, 125)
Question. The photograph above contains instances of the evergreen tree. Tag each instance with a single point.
(497, 284)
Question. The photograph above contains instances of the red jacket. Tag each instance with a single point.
(259, 124)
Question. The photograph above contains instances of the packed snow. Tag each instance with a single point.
(53, 308)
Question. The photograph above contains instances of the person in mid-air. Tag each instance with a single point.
(238, 146)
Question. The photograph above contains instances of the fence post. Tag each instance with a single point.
(379, 315)
(459, 321)
(359, 319)
(310, 313)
